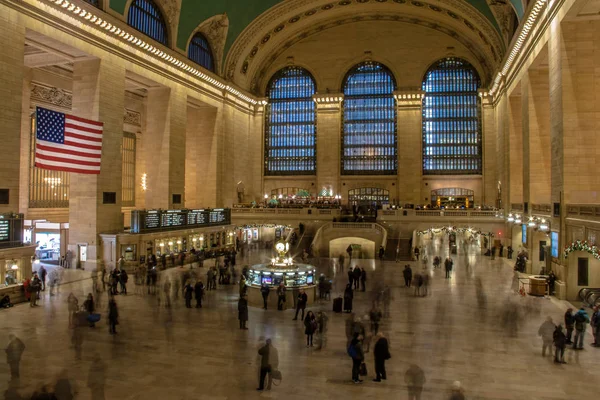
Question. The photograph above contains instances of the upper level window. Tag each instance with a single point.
(290, 128)
(369, 121)
(146, 17)
(95, 3)
(199, 51)
(451, 119)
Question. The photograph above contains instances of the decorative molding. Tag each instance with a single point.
(486, 98)
(51, 95)
(171, 10)
(328, 102)
(132, 117)
(215, 29)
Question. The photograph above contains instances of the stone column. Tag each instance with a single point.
(515, 151)
(255, 189)
(98, 94)
(25, 143)
(490, 155)
(329, 142)
(12, 41)
(410, 146)
(164, 147)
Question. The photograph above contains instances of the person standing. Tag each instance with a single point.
(42, 273)
(281, 296)
(113, 316)
(264, 291)
(348, 296)
(188, 292)
(268, 363)
(35, 287)
(596, 326)
(301, 301)
(90, 307)
(349, 251)
(448, 266)
(569, 324)
(560, 343)
(243, 312)
(355, 351)
(356, 273)
(73, 307)
(551, 279)
(209, 278)
(199, 292)
(14, 351)
(398, 253)
(321, 329)
(407, 272)
(381, 253)
(581, 320)
(341, 260)
(350, 276)
(123, 278)
(381, 353)
(546, 331)
(363, 279)
(310, 326)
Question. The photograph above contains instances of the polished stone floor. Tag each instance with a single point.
(472, 328)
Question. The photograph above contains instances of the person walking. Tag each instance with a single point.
(42, 273)
(581, 320)
(457, 392)
(375, 316)
(73, 307)
(113, 316)
(348, 296)
(199, 293)
(90, 307)
(349, 251)
(264, 291)
(310, 327)
(341, 260)
(448, 266)
(363, 279)
(34, 289)
(350, 276)
(415, 380)
(356, 274)
(14, 351)
(595, 323)
(560, 343)
(546, 331)
(268, 364)
(569, 324)
(123, 278)
(243, 312)
(321, 329)
(407, 272)
(281, 289)
(355, 351)
(381, 352)
(188, 292)
(398, 253)
(417, 252)
(381, 253)
(301, 301)
(209, 279)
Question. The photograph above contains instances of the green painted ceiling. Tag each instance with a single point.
(242, 12)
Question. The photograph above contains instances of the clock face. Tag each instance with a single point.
(280, 246)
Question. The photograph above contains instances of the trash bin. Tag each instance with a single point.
(537, 285)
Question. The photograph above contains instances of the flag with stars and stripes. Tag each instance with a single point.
(67, 143)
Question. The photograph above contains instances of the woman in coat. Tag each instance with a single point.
(348, 296)
(90, 307)
(310, 326)
(243, 311)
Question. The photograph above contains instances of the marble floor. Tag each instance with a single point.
(471, 328)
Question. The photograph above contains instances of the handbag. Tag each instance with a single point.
(276, 375)
(363, 369)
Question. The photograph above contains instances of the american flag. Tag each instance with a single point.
(67, 143)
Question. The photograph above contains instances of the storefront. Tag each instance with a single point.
(50, 239)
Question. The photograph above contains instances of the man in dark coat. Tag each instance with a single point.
(349, 251)
(348, 296)
(243, 312)
(357, 273)
(123, 278)
(363, 279)
(569, 324)
(199, 292)
(448, 266)
(407, 275)
(14, 352)
(381, 352)
(355, 351)
(301, 301)
(113, 316)
(560, 343)
(264, 290)
(268, 363)
(188, 291)
(42, 273)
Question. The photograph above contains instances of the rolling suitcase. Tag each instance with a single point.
(337, 304)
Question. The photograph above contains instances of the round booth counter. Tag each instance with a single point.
(295, 277)
(537, 285)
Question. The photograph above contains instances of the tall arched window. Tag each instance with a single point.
(369, 121)
(199, 51)
(146, 17)
(451, 119)
(290, 128)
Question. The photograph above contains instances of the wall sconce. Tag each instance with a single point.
(531, 223)
(179, 242)
(266, 196)
(201, 238)
(170, 243)
(510, 218)
(194, 239)
(13, 265)
(517, 219)
(144, 182)
(543, 225)
(162, 245)
(281, 196)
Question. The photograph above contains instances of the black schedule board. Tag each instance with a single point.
(163, 220)
(4, 230)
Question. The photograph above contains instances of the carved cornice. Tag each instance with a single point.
(51, 95)
(409, 98)
(328, 101)
(132, 117)
(487, 100)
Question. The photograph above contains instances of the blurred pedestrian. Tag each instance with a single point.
(457, 392)
(264, 291)
(355, 351)
(14, 351)
(310, 327)
(581, 321)
(321, 329)
(363, 279)
(546, 331)
(243, 312)
(90, 307)
(375, 316)
(560, 343)
(268, 364)
(569, 324)
(407, 272)
(415, 380)
(381, 353)
(301, 301)
(199, 293)
(113, 316)
(188, 291)
(348, 297)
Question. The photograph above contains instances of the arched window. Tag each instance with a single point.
(290, 128)
(369, 121)
(95, 3)
(199, 51)
(146, 17)
(451, 119)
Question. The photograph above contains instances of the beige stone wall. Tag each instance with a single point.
(515, 149)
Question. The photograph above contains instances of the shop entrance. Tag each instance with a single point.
(452, 198)
(48, 247)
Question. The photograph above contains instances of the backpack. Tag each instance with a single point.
(352, 351)
(579, 321)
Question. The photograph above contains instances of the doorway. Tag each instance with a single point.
(542, 250)
(82, 252)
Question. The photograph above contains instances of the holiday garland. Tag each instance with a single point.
(579, 245)
(250, 226)
(453, 229)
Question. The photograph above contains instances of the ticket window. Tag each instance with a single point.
(10, 272)
(129, 252)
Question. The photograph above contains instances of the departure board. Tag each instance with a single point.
(4, 230)
(158, 220)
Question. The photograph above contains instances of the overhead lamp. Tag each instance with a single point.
(162, 245)
(266, 196)
(273, 261)
(543, 225)
(281, 196)
(531, 223)
(510, 218)
(179, 242)
(170, 243)
(517, 219)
